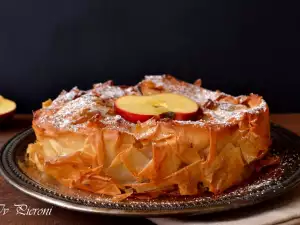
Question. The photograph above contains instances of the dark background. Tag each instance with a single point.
(235, 46)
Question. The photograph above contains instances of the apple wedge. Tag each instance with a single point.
(7, 109)
(141, 108)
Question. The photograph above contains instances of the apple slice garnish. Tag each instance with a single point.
(7, 109)
(141, 108)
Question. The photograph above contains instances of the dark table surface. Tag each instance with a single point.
(10, 196)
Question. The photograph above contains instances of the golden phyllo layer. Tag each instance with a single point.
(83, 144)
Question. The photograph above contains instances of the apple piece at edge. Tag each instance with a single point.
(7, 109)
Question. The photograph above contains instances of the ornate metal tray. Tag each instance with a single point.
(267, 185)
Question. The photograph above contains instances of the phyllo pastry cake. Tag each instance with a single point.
(161, 137)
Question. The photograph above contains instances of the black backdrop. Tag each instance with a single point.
(236, 46)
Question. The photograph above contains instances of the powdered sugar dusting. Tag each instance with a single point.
(112, 92)
(74, 108)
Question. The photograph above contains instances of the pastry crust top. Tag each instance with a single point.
(76, 110)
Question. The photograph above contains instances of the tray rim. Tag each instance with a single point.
(16, 182)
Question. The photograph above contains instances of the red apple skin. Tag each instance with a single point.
(185, 116)
(132, 117)
(6, 117)
(189, 116)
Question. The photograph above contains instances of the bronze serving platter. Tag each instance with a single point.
(268, 184)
